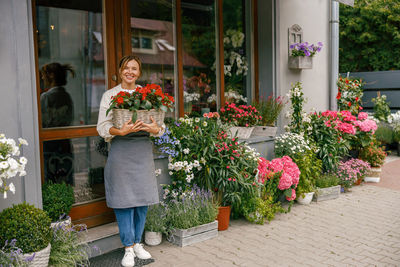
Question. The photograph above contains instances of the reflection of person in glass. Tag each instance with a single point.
(57, 111)
(129, 175)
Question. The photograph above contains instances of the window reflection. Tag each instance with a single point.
(79, 162)
(70, 34)
(199, 56)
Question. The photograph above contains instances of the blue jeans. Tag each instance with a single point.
(131, 224)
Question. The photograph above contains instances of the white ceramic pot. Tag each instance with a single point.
(306, 200)
(66, 223)
(370, 179)
(41, 258)
(152, 238)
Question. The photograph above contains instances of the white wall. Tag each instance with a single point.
(18, 104)
(313, 16)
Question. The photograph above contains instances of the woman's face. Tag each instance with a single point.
(130, 72)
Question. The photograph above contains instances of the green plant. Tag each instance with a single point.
(310, 168)
(349, 94)
(290, 144)
(384, 134)
(297, 101)
(381, 108)
(10, 255)
(30, 226)
(326, 180)
(57, 199)
(396, 133)
(156, 220)
(374, 155)
(257, 209)
(68, 246)
(269, 109)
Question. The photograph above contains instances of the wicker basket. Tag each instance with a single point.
(120, 116)
(41, 258)
(241, 132)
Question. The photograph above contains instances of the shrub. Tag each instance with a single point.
(373, 155)
(57, 199)
(10, 255)
(384, 134)
(310, 167)
(30, 226)
(326, 180)
(156, 220)
(67, 248)
(257, 209)
(381, 108)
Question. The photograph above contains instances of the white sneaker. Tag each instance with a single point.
(140, 252)
(129, 258)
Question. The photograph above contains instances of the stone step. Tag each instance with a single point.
(105, 238)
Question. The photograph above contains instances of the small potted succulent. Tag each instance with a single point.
(30, 227)
(57, 202)
(301, 55)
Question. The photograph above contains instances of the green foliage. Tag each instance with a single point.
(156, 220)
(269, 109)
(370, 36)
(374, 155)
(396, 133)
(10, 255)
(381, 108)
(384, 134)
(68, 247)
(257, 210)
(297, 101)
(349, 94)
(326, 180)
(310, 168)
(30, 226)
(57, 199)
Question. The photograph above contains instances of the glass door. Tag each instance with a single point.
(71, 73)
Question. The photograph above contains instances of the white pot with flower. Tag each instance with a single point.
(11, 164)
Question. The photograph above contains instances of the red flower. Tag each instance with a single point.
(120, 100)
(357, 98)
(338, 95)
(349, 104)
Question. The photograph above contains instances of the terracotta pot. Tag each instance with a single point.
(358, 181)
(223, 217)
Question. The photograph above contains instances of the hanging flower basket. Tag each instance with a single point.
(300, 62)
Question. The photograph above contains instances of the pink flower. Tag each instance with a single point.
(293, 197)
(285, 181)
(227, 167)
(362, 116)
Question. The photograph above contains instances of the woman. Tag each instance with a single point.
(129, 176)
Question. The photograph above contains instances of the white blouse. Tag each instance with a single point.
(104, 122)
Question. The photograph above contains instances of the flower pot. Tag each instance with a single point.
(374, 176)
(358, 181)
(264, 131)
(64, 223)
(327, 193)
(298, 63)
(241, 132)
(41, 258)
(224, 214)
(306, 200)
(185, 237)
(120, 116)
(152, 238)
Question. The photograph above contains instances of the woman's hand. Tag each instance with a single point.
(152, 127)
(130, 127)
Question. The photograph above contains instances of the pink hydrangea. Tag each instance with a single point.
(362, 116)
(263, 172)
(290, 171)
(329, 113)
(366, 125)
(285, 182)
(293, 197)
(347, 116)
(346, 127)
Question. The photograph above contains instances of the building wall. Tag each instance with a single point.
(18, 107)
(313, 16)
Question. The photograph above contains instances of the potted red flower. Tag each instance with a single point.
(142, 103)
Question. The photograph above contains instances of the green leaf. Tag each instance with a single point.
(164, 108)
(134, 116)
(147, 105)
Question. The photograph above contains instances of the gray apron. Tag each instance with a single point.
(129, 176)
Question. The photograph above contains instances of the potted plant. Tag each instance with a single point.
(384, 134)
(327, 187)
(269, 110)
(191, 217)
(30, 226)
(141, 104)
(11, 255)
(375, 156)
(156, 225)
(57, 202)
(351, 171)
(241, 118)
(301, 55)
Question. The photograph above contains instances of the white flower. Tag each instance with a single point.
(23, 160)
(5, 194)
(22, 141)
(22, 173)
(204, 123)
(171, 173)
(186, 151)
(197, 119)
(157, 172)
(4, 165)
(12, 188)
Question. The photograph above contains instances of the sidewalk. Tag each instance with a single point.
(361, 228)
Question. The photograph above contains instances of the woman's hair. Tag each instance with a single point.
(124, 60)
(56, 73)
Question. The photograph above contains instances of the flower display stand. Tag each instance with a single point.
(327, 193)
(264, 131)
(374, 175)
(241, 132)
(306, 200)
(299, 63)
(185, 237)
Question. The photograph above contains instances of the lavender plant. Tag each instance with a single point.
(11, 255)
